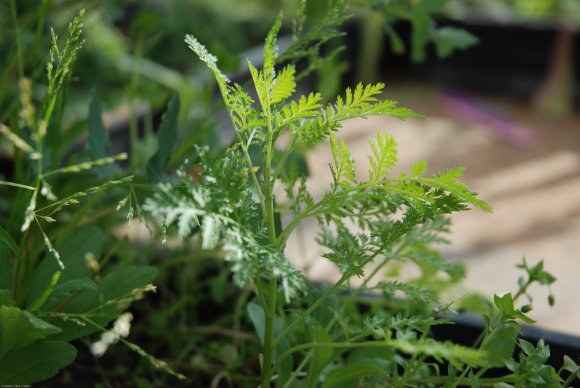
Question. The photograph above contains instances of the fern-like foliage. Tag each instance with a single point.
(383, 157)
(343, 170)
(360, 103)
(366, 226)
(221, 205)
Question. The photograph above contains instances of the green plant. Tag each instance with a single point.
(60, 279)
(380, 17)
(249, 203)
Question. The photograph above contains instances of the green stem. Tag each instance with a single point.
(571, 379)
(280, 165)
(290, 227)
(4, 183)
(297, 371)
(247, 157)
(311, 309)
(269, 334)
(270, 309)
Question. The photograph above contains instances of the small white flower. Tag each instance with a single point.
(98, 348)
(121, 328)
(122, 325)
(109, 337)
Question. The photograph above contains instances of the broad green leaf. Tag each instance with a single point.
(124, 281)
(64, 290)
(73, 250)
(350, 375)
(397, 45)
(430, 6)
(36, 362)
(570, 365)
(504, 304)
(473, 380)
(519, 315)
(8, 241)
(6, 272)
(256, 314)
(98, 139)
(166, 138)
(6, 298)
(46, 294)
(98, 142)
(143, 150)
(380, 357)
(19, 328)
(320, 356)
(527, 347)
(119, 284)
(448, 39)
(500, 345)
(420, 35)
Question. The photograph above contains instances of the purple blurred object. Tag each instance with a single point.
(469, 109)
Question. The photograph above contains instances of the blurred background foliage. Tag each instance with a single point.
(134, 58)
(134, 61)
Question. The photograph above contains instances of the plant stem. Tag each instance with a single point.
(269, 334)
(571, 379)
(313, 307)
(297, 371)
(4, 183)
(270, 309)
(242, 143)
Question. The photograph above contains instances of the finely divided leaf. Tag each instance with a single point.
(270, 48)
(363, 102)
(284, 85)
(383, 157)
(262, 84)
(343, 171)
(448, 181)
(307, 106)
(209, 59)
(419, 168)
(457, 355)
(210, 232)
(360, 103)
